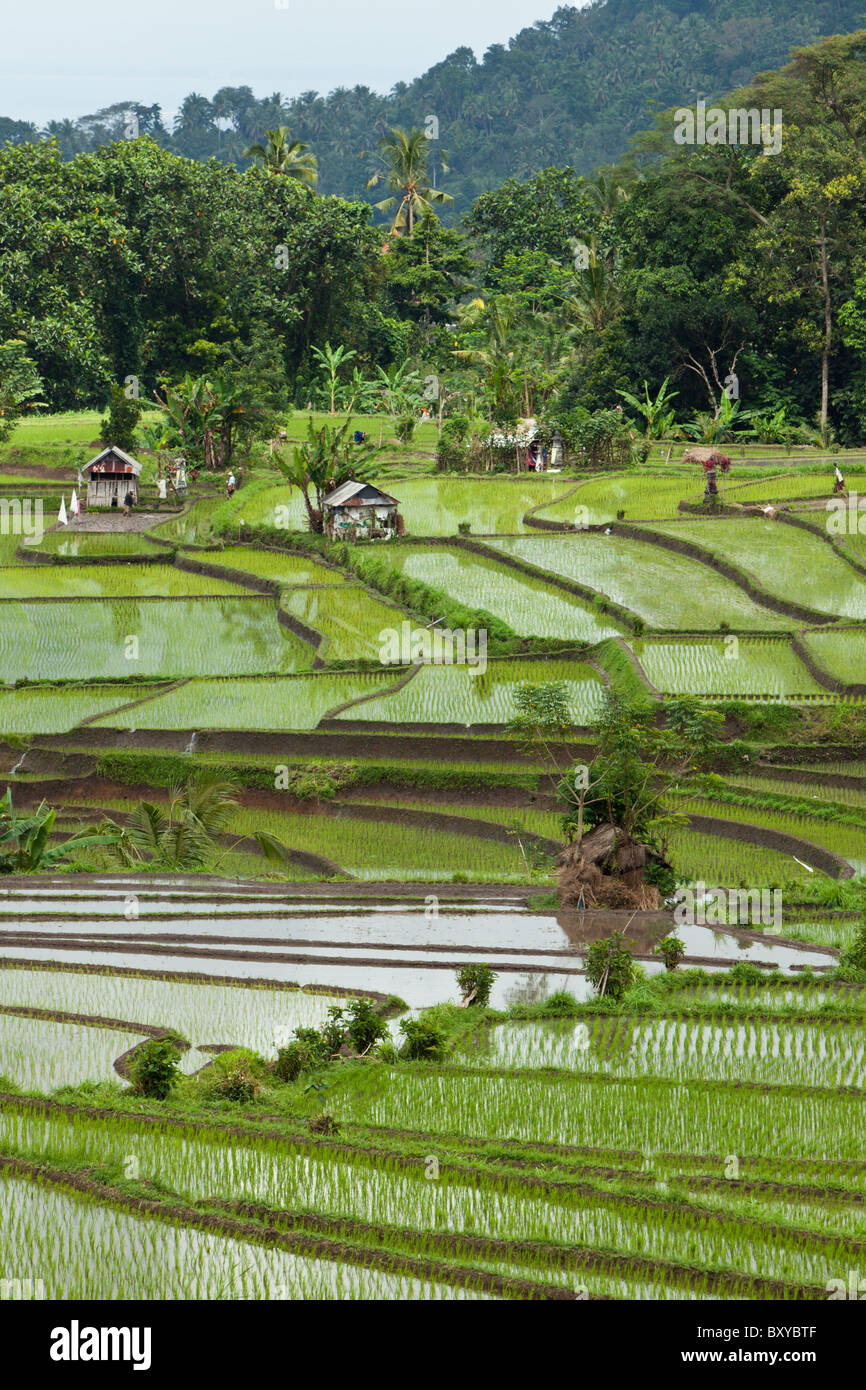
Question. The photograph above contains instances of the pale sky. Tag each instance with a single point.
(70, 57)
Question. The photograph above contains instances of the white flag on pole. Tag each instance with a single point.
(73, 505)
(61, 515)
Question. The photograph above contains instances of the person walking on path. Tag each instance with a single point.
(127, 503)
(231, 485)
(839, 483)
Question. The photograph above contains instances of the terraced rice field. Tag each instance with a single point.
(281, 566)
(789, 562)
(676, 1048)
(298, 702)
(782, 487)
(252, 1016)
(665, 590)
(849, 841)
(369, 850)
(525, 604)
(842, 654)
(87, 544)
(349, 617)
(43, 1055)
(641, 498)
(67, 640)
(89, 1252)
(108, 581)
(710, 859)
(716, 666)
(459, 695)
(55, 709)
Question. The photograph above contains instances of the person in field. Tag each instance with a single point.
(839, 481)
(231, 485)
(127, 503)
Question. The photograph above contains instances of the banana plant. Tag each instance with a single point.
(658, 418)
(24, 847)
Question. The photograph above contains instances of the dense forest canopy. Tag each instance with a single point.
(559, 293)
(570, 91)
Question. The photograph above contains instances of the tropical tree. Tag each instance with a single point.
(404, 156)
(181, 835)
(654, 409)
(20, 385)
(24, 847)
(595, 300)
(399, 388)
(280, 156)
(330, 360)
(325, 459)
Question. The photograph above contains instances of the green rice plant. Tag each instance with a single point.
(640, 496)
(256, 1017)
(781, 488)
(386, 1192)
(390, 851)
(789, 562)
(842, 654)
(272, 702)
(664, 589)
(45, 709)
(460, 695)
(86, 544)
(282, 566)
(83, 1251)
(847, 840)
(193, 526)
(823, 792)
(742, 1051)
(725, 666)
(108, 581)
(178, 637)
(526, 604)
(350, 618)
(44, 1055)
(730, 863)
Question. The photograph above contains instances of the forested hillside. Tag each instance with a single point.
(569, 91)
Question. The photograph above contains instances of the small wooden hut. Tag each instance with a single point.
(360, 510)
(110, 476)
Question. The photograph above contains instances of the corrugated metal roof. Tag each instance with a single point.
(343, 494)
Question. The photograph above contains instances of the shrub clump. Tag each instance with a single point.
(476, 982)
(610, 966)
(154, 1069)
(425, 1040)
(672, 950)
(239, 1084)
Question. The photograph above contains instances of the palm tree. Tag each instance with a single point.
(278, 156)
(181, 836)
(596, 301)
(405, 174)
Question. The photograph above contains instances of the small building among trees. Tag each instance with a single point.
(360, 511)
(110, 476)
